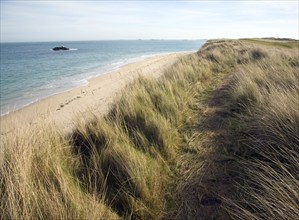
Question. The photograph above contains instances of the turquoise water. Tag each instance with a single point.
(32, 71)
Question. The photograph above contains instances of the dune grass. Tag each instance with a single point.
(109, 167)
(37, 180)
(266, 94)
(140, 160)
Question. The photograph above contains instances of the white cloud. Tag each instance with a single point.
(81, 20)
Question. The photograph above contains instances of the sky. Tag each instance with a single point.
(32, 21)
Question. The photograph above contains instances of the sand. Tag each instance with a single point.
(64, 109)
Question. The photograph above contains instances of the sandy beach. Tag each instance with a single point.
(63, 109)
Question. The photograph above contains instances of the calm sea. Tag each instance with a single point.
(32, 71)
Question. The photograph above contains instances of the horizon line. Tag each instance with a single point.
(151, 39)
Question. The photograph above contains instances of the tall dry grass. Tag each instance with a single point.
(131, 152)
(109, 167)
(266, 95)
(37, 179)
(126, 164)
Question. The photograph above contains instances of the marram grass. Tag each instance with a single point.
(128, 164)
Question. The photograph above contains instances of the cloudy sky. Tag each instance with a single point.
(42, 20)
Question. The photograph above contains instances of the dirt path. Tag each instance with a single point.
(206, 173)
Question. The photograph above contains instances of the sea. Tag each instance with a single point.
(33, 71)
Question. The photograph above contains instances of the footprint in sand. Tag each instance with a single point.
(67, 102)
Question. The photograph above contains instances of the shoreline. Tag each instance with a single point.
(87, 80)
(63, 108)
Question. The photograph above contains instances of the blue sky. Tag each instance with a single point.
(42, 20)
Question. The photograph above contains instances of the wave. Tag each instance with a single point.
(118, 63)
(80, 82)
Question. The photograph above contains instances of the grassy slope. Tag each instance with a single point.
(217, 136)
(274, 42)
(248, 131)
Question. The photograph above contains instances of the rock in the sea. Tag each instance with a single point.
(60, 48)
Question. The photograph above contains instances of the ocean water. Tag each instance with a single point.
(32, 71)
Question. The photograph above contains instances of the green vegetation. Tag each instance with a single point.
(215, 137)
(287, 43)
